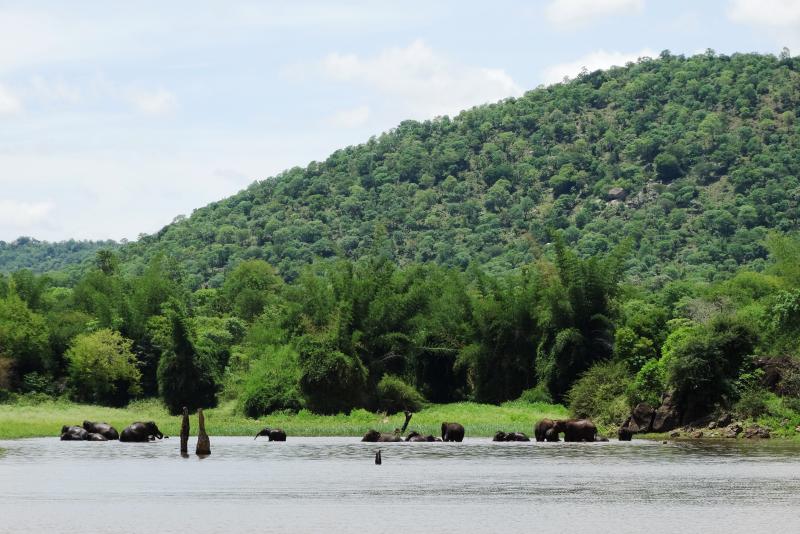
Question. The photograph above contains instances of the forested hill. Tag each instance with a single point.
(695, 158)
(44, 256)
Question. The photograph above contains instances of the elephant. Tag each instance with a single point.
(624, 433)
(452, 432)
(73, 433)
(106, 430)
(375, 436)
(578, 430)
(274, 434)
(510, 436)
(541, 428)
(551, 435)
(94, 436)
(141, 432)
(415, 436)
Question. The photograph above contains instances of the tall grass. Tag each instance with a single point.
(21, 419)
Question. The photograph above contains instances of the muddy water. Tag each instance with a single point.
(332, 485)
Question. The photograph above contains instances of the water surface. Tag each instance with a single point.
(332, 485)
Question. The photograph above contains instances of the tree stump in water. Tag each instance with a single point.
(203, 443)
(185, 433)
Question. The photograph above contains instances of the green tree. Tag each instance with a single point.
(102, 368)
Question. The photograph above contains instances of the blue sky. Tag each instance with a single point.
(116, 118)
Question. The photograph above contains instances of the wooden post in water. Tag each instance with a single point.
(185, 433)
(203, 443)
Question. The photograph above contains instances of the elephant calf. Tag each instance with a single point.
(415, 436)
(73, 433)
(375, 436)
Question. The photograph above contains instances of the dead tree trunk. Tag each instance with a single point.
(185, 432)
(203, 443)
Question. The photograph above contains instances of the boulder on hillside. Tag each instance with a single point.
(666, 416)
(616, 193)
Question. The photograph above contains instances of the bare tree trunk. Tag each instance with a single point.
(405, 425)
(203, 443)
(185, 433)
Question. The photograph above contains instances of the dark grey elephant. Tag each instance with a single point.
(541, 428)
(274, 434)
(73, 433)
(141, 432)
(551, 435)
(104, 429)
(510, 436)
(624, 433)
(578, 430)
(415, 436)
(93, 436)
(452, 432)
(375, 436)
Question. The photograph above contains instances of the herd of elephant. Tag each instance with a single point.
(90, 431)
(574, 430)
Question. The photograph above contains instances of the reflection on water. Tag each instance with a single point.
(333, 485)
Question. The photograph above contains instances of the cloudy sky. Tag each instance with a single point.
(116, 117)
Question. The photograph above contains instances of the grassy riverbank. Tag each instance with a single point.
(26, 419)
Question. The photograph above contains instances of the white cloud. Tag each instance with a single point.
(55, 90)
(780, 13)
(159, 102)
(22, 214)
(425, 83)
(569, 14)
(599, 59)
(780, 19)
(349, 118)
(9, 103)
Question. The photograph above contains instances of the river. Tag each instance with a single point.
(332, 485)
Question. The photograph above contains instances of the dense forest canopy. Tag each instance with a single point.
(600, 242)
(694, 158)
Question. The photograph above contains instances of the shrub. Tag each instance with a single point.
(752, 403)
(394, 396)
(331, 381)
(599, 393)
(538, 394)
(102, 369)
(648, 384)
(271, 383)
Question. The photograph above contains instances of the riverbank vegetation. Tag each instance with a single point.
(35, 416)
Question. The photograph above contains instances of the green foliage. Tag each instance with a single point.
(23, 336)
(599, 394)
(331, 381)
(538, 394)
(648, 385)
(753, 403)
(271, 383)
(102, 368)
(702, 361)
(249, 286)
(394, 396)
(185, 376)
(43, 257)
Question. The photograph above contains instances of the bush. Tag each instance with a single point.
(599, 393)
(753, 403)
(648, 384)
(394, 396)
(102, 369)
(538, 394)
(271, 384)
(331, 381)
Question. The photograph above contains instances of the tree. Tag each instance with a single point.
(23, 337)
(185, 376)
(102, 369)
(249, 287)
(332, 382)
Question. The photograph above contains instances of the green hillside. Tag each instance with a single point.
(44, 256)
(695, 158)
